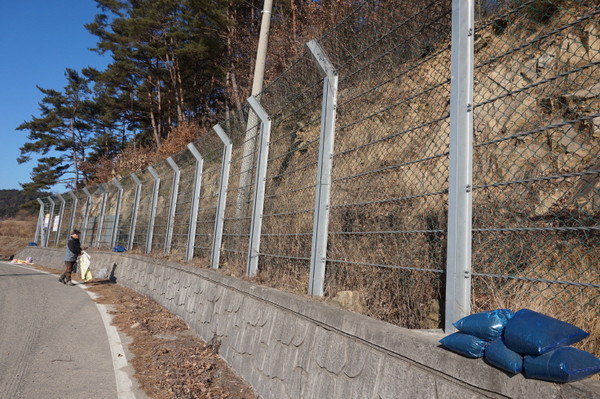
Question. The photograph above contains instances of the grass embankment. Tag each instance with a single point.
(15, 234)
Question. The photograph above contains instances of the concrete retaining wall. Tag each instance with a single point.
(288, 346)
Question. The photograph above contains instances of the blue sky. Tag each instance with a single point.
(39, 39)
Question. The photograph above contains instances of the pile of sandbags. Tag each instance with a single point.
(525, 341)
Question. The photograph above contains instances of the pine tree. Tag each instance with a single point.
(62, 129)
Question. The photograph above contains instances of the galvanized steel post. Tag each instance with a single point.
(39, 230)
(323, 187)
(115, 230)
(458, 270)
(88, 205)
(259, 186)
(61, 213)
(102, 210)
(189, 253)
(153, 203)
(223, 185)
(134, 210)
(50, 221)
(173, 204)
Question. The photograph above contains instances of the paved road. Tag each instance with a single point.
(53, 342)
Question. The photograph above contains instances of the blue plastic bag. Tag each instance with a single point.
(465, 344)
(498, 355)
(532, 333)
(119, 248)
(485, 325)
(565, 364)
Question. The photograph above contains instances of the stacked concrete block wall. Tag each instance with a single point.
(287, 346)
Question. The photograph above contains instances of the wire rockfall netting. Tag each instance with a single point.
(236, 230)
(69, 208)
(186, 163)
(293, 103)
(163, 207)
(92, 223)
(142, 221)
(211, 148)
(387, 228)
(536, 235)
(125, 212)
(110, 217)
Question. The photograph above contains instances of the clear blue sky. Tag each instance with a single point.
(39, 39)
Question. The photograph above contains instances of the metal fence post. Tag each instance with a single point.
(88, 205)
(102, 210)
(39, 230)
(189, 253)
(173, 204)
(61, 213)
(50, 220)
(152, 208)
(458, 271)
(72, 221)
(134, 211)
(323, 188)
(223, 184)
(259, 186)
(115, 231)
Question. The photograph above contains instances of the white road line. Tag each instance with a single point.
(124, 383)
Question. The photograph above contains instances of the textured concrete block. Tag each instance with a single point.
(408, 381)
(329, 351)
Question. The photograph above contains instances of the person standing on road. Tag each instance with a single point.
(72, 251)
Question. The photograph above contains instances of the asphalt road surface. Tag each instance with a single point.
(53, 340)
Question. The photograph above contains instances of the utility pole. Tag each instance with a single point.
(251, 128)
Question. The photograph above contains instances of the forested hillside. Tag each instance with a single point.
(177, 66)
(12, 202)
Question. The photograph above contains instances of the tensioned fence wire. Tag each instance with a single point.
(125, 212)
(293, 102)
(163, 206)
(388, 219)
(140, 231)
(211, 148)
(67, 214)
(186, 163)
(92, 224)
(110, 215)
(536, 236)
(236, 227)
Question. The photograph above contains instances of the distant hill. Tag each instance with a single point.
(12, 201)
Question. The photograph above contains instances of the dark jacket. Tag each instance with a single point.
(73, 249)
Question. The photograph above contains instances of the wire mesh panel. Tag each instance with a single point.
(236, 229)
(293, 102)
(53, 220)
(46, 212)
(81, 211)
(390, 169)
(144, 209)
(125, 212)
(110, 215)
(187, 165)
(211, 149)
(535, 176)
(92, 225)
(163, 206)
(67, 215)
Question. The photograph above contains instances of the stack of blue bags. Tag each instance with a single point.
(525, 341)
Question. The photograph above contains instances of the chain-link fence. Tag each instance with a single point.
(536, 165)
(345, 174)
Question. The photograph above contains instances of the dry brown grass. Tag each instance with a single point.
(16, 234)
